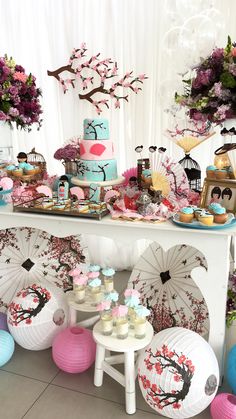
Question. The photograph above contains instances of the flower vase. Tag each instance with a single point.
(70, 167)
(6, 153)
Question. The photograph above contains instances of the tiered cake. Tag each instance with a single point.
(97, 162)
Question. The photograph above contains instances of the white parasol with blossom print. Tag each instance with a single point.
(29, 255)
(168, 290)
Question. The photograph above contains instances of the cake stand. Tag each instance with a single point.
(85, 183)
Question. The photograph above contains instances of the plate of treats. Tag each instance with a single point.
(214, 217)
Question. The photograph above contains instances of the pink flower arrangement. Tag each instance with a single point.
(19, 96)
(69, 152)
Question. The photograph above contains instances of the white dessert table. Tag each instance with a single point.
(214, 244)
(128, 347)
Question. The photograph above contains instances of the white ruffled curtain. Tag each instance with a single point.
(40, 35)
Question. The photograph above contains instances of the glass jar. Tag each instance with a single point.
(122, 327)
(96, 295)
(108, 283)
(107, 322)
(140, 327)
(79, 291)
(131, 317)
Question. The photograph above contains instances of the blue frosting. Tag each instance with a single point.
(187, 210)
(96, 282)
(97, 170)
(147, 173)
(94, 268)
(214, 206)
(220, 210)
(108, 272)
(212, 167)
(28, 166)
(96, 129)
(132, 301)
(11, 167)
(142, 311)
(111, 296)
(23, 165)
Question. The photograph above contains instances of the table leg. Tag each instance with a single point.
(72, 316)
(98, 373)
(130, 383)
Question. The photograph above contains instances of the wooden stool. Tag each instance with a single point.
(104, 364)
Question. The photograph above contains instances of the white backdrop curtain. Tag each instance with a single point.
(40, 35)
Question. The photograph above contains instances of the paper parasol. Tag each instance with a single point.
(172, 173)
(28, 255)
(167, 288)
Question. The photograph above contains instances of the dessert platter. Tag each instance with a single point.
(214, 217)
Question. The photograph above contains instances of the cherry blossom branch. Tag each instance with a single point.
(105, 69)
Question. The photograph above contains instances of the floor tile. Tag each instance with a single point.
(59, 403)
(33, 364)
(17, 394)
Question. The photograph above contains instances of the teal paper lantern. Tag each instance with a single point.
(231, 369)
(7, 346)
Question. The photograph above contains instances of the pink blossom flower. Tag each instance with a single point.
(117, 104)
(20, 76)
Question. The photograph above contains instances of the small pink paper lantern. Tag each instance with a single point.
(73, 350)
(224, 406)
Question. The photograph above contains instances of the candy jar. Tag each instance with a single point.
(106, 317)
(140, 321)
(122, 326)
(79, 287)
(96, 291)
(132, 297)
(108, 274)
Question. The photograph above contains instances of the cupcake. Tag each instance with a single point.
(197, 212)
(220, 215)
(186, 215)
(210, 171)
(29, 169)
(17, 171)
(212, 208)
(221, 174)
(206, 218)
(10, 168)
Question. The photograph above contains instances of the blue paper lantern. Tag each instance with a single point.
(7, 346)
(231, 369)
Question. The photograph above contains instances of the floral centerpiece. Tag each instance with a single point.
(211, 93)
(19, 96)
(69, 154)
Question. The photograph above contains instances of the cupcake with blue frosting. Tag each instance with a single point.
(186, 215)
(220, 215)
(211, 171)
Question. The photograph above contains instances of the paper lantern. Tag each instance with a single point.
(3, 322)
(178, 373)
(36, 315)
(7, 346)
(223, 406)
(74, 349)
(231, 369)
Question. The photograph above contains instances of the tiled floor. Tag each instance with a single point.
(32, 387)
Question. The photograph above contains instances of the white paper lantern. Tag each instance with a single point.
(178, 373)
(36, 315)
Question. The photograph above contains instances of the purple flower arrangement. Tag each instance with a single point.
(211, 93)
(70, 151)
(19, 96)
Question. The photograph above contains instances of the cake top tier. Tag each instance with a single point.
(96, 129)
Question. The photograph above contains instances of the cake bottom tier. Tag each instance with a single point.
(97, 170)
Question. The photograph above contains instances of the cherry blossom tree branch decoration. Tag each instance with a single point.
(40, 296)
(182, 369)
(104, 70)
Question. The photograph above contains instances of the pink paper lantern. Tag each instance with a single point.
(224, 406)
(74, 350)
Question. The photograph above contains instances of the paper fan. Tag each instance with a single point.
(160, 183)
(128, 174)
(174, 174)
(77, 192)
(29, 255)
(167, 288)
